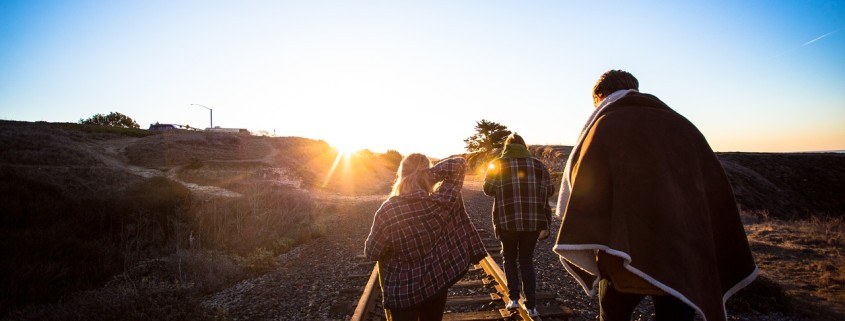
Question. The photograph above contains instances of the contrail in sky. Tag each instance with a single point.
(820, 37)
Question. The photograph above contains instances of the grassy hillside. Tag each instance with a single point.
(158, 218)
(133, 224)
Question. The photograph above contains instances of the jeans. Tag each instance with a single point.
(429, 310)
(615, 305)
(518, 257)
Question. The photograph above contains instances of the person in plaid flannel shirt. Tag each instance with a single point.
(521, 186)
(422, 238)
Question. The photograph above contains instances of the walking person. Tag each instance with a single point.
(521, 186)
(423, 238)
(647, 210)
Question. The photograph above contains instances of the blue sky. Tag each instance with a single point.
(415, 76)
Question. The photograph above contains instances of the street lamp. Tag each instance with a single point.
(210, 115)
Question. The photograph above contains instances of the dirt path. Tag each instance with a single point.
(111, 153)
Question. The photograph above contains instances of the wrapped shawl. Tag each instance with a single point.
(649, 193)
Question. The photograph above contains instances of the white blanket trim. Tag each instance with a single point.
(566, 185)
(583, 256)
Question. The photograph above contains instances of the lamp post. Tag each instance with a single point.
(210, 115)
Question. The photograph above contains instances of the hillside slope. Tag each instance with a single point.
(782, 185)
(83, 204)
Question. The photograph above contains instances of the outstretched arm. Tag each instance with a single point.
(450, 172)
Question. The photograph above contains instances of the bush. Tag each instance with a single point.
(258, 220)
(113, 119)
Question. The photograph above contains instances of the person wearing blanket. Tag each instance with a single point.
(422, 238)
(647, 210)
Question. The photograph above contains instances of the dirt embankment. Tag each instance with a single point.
(779, 185)
(794, 185)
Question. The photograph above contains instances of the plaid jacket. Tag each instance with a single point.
(424, 243)
(521, 187)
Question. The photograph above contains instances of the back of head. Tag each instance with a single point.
(514, 138)
(611, 81)
(413, 175)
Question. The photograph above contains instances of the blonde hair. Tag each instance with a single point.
(413, 175)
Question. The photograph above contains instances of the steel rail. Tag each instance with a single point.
(367, 303)
(492, 268)
(372, 291)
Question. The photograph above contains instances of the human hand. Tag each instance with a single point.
(544, 234)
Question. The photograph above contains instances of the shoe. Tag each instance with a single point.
(532, 312)
(514, 304)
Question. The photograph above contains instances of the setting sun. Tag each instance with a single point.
(346, 150)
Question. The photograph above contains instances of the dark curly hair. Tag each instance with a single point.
(611, 81)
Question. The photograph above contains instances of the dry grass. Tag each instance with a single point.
(72, 221)
(170, 247)
(267, 218)
(166, 288)
(178, 148)
(806, 258)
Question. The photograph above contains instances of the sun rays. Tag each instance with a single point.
(343, 154)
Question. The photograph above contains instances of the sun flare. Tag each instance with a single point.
(343, 153)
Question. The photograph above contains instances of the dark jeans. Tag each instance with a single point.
(518, 257)
(615, 305)
(429, 310)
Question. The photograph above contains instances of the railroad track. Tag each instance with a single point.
(480, 295)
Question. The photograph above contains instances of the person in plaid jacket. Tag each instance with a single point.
(521, 186)
(422, 238)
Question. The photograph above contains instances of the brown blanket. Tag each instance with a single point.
(648, 191)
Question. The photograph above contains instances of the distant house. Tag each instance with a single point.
(158, 126)
(165, 127)
(218, 129)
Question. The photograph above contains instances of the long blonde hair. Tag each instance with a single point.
(413, 175)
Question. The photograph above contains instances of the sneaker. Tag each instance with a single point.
(532, 312)
(514, 304)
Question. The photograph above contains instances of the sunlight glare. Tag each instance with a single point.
(343, 152)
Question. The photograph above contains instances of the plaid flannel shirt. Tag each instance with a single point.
(521, 187)
(424, 243)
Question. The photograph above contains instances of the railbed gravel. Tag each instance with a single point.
(322, 279)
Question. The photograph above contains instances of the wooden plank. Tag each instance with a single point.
(472, 299)
(357, 276)
(368, 264)
(468, 283)
(473, 316)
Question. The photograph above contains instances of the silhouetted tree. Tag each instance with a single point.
(488, 136)
(113, 119)
(392, 158)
